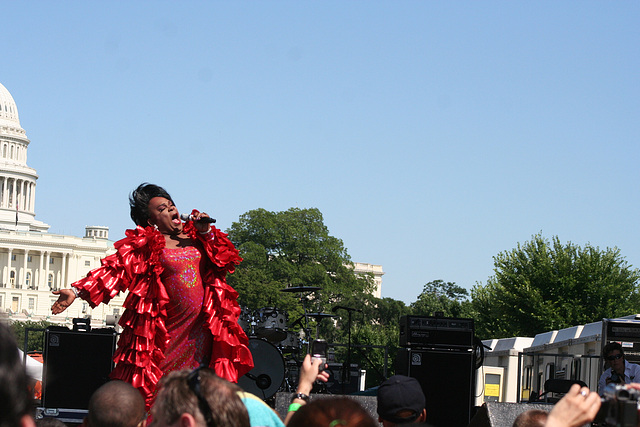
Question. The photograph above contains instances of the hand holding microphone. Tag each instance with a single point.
(200, 220)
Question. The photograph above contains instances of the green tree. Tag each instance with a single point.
(292, 248)
(36, 338)
(445, 297)
(545, 285)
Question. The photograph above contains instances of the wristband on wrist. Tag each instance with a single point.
(300, 396)
(205, 232)
(294, 407)
(75, 291)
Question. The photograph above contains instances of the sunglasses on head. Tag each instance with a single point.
(614, 357)
(193, 381)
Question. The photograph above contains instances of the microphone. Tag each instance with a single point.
(338, 307)
(187, 217)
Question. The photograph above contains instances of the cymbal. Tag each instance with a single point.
(301, 289)
(320, 315)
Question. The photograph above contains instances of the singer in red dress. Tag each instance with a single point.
(180, 313)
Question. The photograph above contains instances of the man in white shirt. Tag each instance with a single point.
(620, 371)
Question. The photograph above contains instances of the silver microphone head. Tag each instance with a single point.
(185, 217)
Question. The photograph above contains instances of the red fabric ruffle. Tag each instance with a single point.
(136, 267)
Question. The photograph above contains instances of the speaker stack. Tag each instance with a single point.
(438, 352)
(76, 363)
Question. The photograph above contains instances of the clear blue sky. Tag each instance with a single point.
(432, 135)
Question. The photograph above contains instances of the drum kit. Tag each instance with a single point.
(277, 351)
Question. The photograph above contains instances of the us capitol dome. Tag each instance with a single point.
(34, 262)
(17, 180)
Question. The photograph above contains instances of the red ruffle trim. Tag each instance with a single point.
(136, 267)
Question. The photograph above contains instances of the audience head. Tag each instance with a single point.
(198, 398)
(401, 401)
(16, 403)
(332, 412)
(614, 356)
(531, 418)
(116, 404)
(613, 348)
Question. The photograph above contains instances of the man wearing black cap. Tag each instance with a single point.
(401, 401)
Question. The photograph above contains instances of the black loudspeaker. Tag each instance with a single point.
(339, 383)
(76, 363)
(447, 380)
(495, 414)
(369, 403)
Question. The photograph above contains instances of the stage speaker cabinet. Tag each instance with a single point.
(339, 383)
(447, 380)
(76, 363)
(625, 332)
(443, 332)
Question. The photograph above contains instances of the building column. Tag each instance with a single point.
(9, 256)
(41, 283)
(63, 279)
(24, 270)
(32, 205)
(23, 199)
(46, 269)
(19, 202)
(13, 193)
(7, 273)
(7, 192)
(26, 196)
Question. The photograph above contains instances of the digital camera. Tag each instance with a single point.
(619, 407)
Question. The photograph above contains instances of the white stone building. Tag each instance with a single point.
(34, 262)
(375, 270)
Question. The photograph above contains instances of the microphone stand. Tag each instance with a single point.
(346, 370)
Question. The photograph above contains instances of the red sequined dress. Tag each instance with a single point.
(179, 311)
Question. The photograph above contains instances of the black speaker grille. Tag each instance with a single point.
(75, 365)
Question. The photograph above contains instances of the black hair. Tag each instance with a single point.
(611, 347)
(115, 403)
(15, 399)
(139, 201)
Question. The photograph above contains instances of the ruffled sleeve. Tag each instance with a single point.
(231, 357)
(135, 267)
(118, 271)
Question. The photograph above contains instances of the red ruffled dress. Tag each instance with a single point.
(179, 311)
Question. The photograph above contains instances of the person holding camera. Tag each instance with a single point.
(620, 371)
(312, 370)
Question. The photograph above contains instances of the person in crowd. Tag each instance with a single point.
(198, 398)
(578, 407)
(620, 371)
(16, 404)
(401, 401)
(310, 372)
(180, 313)
(116, 404)
(531, 418)
(260, 414)
(332, 412)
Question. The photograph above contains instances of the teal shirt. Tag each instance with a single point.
(260, 414)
